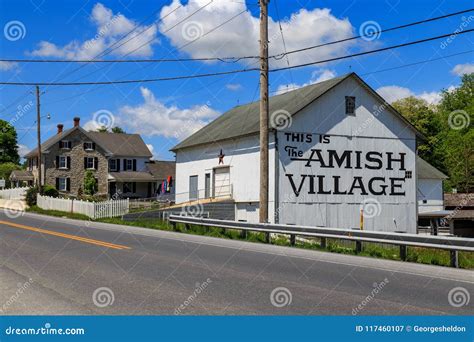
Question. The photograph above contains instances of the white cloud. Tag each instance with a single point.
(433, 97)
(110, 28)
(91, 125)
(461, 69)
(153, 118)
(152, 149)
(316, 77)
(240, 36)
(5, 66)
(23, 150)
(233, 86)
(394, 93)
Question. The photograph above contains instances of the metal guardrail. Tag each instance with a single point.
(452, 244)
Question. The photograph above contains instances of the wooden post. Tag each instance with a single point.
(454, 256)
(403, 252)
(38, 129)
(263, 210)
(323, 242)
(358, 247)
(268, 238)
(292, 239)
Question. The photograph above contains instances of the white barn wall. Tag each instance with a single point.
(430, 195)
(242, 156)
(364, 132)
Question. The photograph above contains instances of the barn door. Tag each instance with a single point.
(221, 182)
(193, 188)
(207, 185)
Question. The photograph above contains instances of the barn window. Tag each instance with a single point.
(408, 174)
(350, 105)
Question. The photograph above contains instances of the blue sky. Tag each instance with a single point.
(167, 112)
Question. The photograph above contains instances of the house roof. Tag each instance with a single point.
(132, 176)
(117, 144)
(161, 169)
(21, 175)
(425, 170)
(45, 145)
(462, 200)
(121, 144)
(245, 120)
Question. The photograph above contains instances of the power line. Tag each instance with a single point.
(395, 68)
(105, 52)
(373, 51)
(149, 41)
(276, 56)
(239, 70)
(283, 39)
(281, 55)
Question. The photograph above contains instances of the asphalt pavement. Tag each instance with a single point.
(60, 266)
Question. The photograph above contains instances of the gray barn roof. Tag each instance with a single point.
(425, 170)
(245, 120)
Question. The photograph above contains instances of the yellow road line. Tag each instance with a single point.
(67, 236)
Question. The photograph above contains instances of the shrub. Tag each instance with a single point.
(90, 184)
(30, 197)
(50, 191)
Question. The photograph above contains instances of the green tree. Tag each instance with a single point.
(456, 111)
(6, 169)
(90, 184)
(117, 129)
(102, 129)
(426, 119)
(8, 143)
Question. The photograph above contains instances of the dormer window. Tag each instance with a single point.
(350, 105)
(89, 146)
(65, 144)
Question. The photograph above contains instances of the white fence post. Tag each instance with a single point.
(14, 193)
(94, 210)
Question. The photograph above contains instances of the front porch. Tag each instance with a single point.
(135, 185)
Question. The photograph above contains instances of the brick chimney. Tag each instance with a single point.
(76, 121)
(60, 128)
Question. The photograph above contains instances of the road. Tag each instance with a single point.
(60, 266)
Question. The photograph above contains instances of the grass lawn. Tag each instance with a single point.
(414, 254)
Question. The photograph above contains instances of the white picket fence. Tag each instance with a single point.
(94, 210)
(14, 193)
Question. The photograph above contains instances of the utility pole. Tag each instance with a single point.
(263, 212)
(38, 118)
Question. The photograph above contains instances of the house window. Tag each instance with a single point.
(113, 163)
(62, 184)
(408, 174)
(62, 162)
(90, 162)
(129, 164)
(89, 146)
(65, 144)
(350, 105)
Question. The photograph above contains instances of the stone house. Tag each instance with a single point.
(121, 164)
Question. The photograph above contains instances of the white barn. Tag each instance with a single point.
(338, 153)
